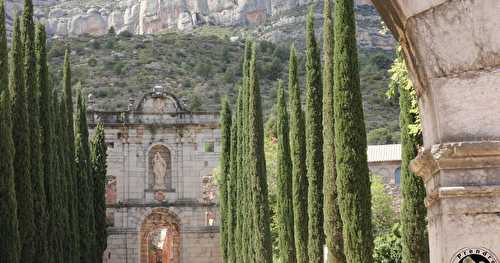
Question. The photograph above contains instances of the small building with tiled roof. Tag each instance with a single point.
(385, 161)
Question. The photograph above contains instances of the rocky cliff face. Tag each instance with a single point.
(275, 19)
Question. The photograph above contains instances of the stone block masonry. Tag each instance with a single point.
(452, 51)
(161, 193)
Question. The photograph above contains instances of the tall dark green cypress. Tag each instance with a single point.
(85, 193)
(414, 238)
(256, 170)
(99, 167)
(314, 144)
(353, 180)
(70, 152)
(66, 181)
(10, 242)
(298, 156)
(332, 221)
(48, 149)
(245, 196)
(225, 167)
(249, 196)
(232, 192)
(4, 52)
(284, 212)
(240, 190)
(21, 136)
(60, 241)
(37, 177)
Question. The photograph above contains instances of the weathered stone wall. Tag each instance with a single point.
(194, 149)
(452, 50)
(387, 171)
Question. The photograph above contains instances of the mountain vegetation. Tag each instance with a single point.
(200, 67)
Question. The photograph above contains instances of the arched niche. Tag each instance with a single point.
(164, 224)
(160, 168)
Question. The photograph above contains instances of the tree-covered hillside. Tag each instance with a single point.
(200, 67)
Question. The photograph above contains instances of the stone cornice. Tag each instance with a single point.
(460, 155)
(179, 203)
(456, 156)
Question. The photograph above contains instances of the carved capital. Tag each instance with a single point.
(455, 156)
(460, 155)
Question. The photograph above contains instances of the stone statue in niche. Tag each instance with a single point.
(159, 172)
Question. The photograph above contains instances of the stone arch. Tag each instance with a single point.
(165, 153)
(161, 218)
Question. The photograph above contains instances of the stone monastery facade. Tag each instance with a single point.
(161, 193)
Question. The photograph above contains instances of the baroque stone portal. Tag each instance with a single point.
(160, 238)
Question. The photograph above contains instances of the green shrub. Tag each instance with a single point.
(57, 50)
(388, 247)
(228, 76)
(381, 60)
(112, 31)
(119, 68)
(203, 69)
(380, 136)
(126, 34)
(95, 44)
(383, 214)
(92, 62)
(109, 44)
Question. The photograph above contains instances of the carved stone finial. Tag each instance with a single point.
(158, 90)
(91, 101)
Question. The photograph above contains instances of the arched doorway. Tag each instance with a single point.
(160, 237)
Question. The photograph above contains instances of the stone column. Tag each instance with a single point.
(452, 49)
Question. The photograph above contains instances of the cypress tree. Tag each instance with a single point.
(70, 153)
(60, 215)
(99, 167)
(66, 180)
(86, 207)
(298, 157)
(353, 180)
(10, 242)
(240, 190)
(332, 221)
(232, 190)
(48, 148)
(21, 137)
(4, 53)
(225, 161)
(245, 196)
(314, 144)
(284, 182)
(256, 169)
(37, 177)
(414, 239)
(249, 222)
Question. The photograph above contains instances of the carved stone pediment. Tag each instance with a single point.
(159, 101)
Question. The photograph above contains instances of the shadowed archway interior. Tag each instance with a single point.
(160, 237)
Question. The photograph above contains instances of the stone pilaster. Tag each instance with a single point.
(463, 197)
(452, 50)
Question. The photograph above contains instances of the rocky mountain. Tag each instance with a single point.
(273, 20)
